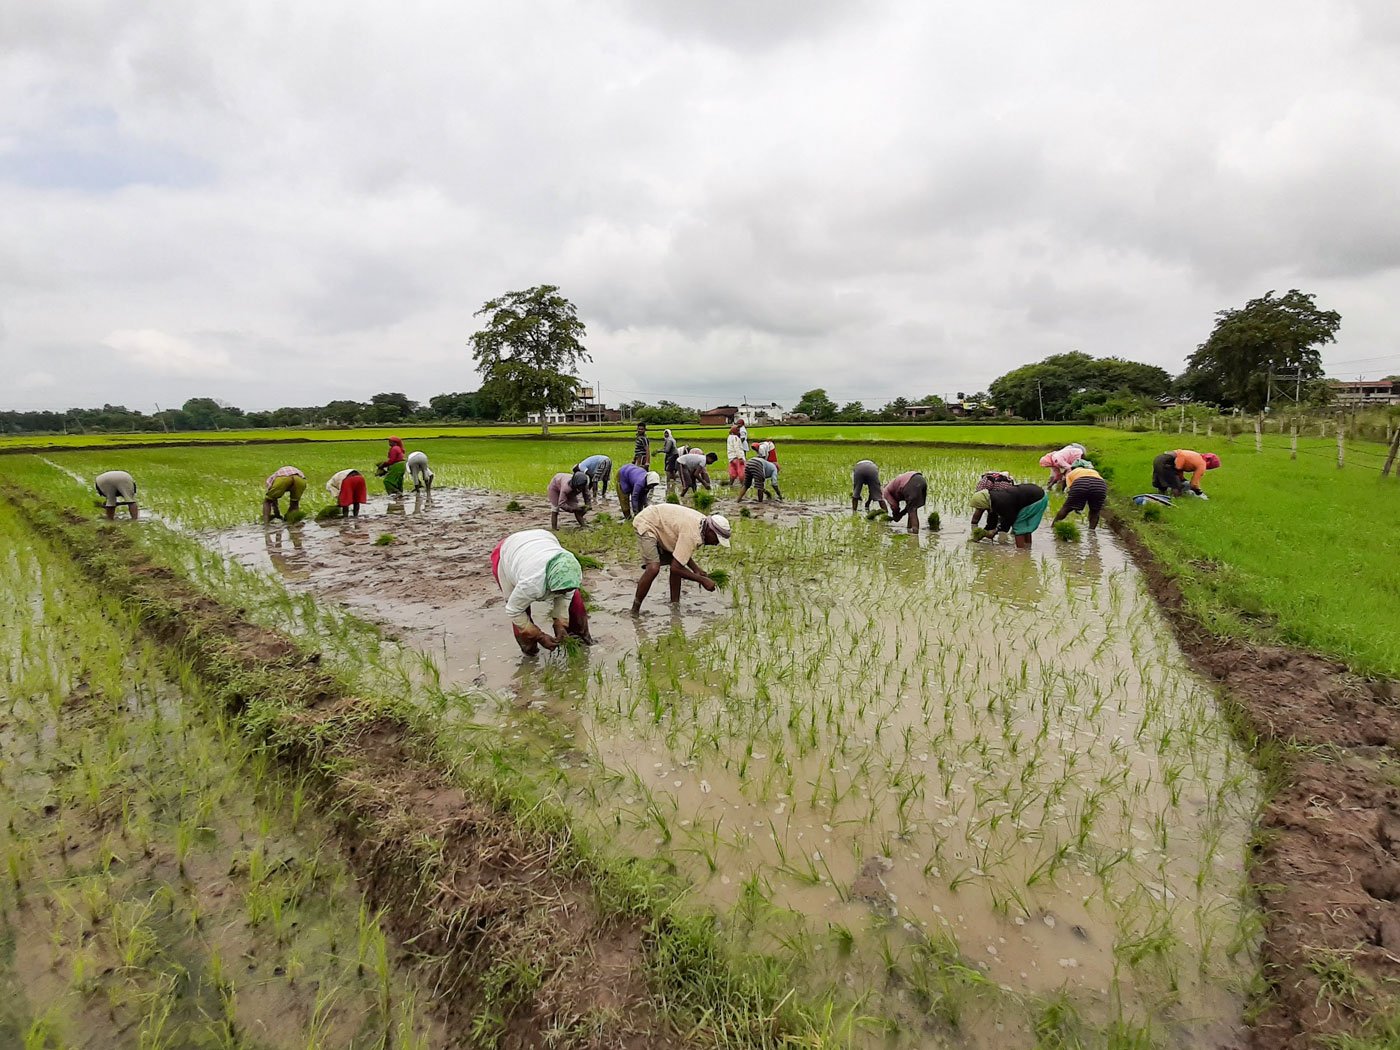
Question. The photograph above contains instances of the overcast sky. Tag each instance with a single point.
(276, 203)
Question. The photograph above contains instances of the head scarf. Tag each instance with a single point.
(579, 480)
(396, 441)
(982, 500)
(563, 573)
(666, 433)
(1212, 460)
(719, 525)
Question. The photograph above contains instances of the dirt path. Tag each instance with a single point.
(1326, 858)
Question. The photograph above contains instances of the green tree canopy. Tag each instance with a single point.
(816, 405)
(1067, 383)
(1272, 339)
(530, 349)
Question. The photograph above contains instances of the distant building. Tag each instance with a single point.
(584, 410)
(1366, 392)
(797, 417)
(720, 416)
(919, 411)
(769, 413)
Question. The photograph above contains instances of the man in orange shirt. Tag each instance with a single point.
(1169, 471)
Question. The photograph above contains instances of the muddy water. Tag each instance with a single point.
(902, 751)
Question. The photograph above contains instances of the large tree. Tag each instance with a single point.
(1063, 385)
(530, 349)
(1271, 340)
(816, 405)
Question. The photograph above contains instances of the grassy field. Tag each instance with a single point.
(1295, 550)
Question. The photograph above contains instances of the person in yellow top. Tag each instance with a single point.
(668, 534)
(1084, 487)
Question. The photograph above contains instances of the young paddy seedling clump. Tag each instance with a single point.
(1066, 531)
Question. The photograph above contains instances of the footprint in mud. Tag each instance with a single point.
(870, 887)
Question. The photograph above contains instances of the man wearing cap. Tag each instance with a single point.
(530, 567)
(567, 492)
(634, 486)
(668, 534)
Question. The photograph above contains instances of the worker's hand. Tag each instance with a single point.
(561, 630)
(707, 583)
(547, 642)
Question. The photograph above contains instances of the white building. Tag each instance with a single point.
(769, 413)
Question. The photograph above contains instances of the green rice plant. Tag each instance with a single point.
(744, 512)
(704, 500)
(935, 523)
(1066, 531)
(330, 512)
(721, 577)
(385, 539)
(1152, 511)
(514, 506)
(671, 497)
(296, 517)
(587, 561)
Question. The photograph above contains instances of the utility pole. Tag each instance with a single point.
(1040, 396)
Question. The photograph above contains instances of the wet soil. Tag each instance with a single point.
(1326, 858)
(432, 587)
(467, 890)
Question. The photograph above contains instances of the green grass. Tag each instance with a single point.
(1308, 554)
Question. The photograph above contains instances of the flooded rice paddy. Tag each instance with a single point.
(974, 789)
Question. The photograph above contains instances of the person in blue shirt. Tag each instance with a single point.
(599, 471)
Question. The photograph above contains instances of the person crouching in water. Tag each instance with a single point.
(285, 481)
(117, 489)
(419, 471)
(1016, 510)
(865, 477)
(1169, 471)
(668, 534)
(350, 491)
(393, 467)
(529, 567)
(1084, 487)
(758, 472)
(567, 492)
(906, 494)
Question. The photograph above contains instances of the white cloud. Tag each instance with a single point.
(149, 350)
(865, 197)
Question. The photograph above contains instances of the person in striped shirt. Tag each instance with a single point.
(641, 448)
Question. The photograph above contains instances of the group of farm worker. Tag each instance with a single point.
(348, 487)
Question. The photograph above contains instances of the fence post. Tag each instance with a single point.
(1210, 428)
(1341, 447)
(1258, 436)
(1193, 426)
(1390, 456)
(1293, 442)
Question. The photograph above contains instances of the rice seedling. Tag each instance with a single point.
(385, 539)
(1066, 531)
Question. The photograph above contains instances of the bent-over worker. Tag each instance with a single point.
(117, 489)
(865, 477)
(1169, 471)
(392, 469)
(599, 471)
(567, 492)
(1084, 487)
(633, 485)
(995, 479)
(1016, 510)
(758, 472)
(350, 491)
(668, 535)
(1060, 461)
(530, 567)
(692, 466)
(284, 481)
(419, 471)
(906, 494)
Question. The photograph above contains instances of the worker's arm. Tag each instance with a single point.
(691, 571)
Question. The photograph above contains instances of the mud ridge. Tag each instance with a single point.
(499, 917)
(1325, 861)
